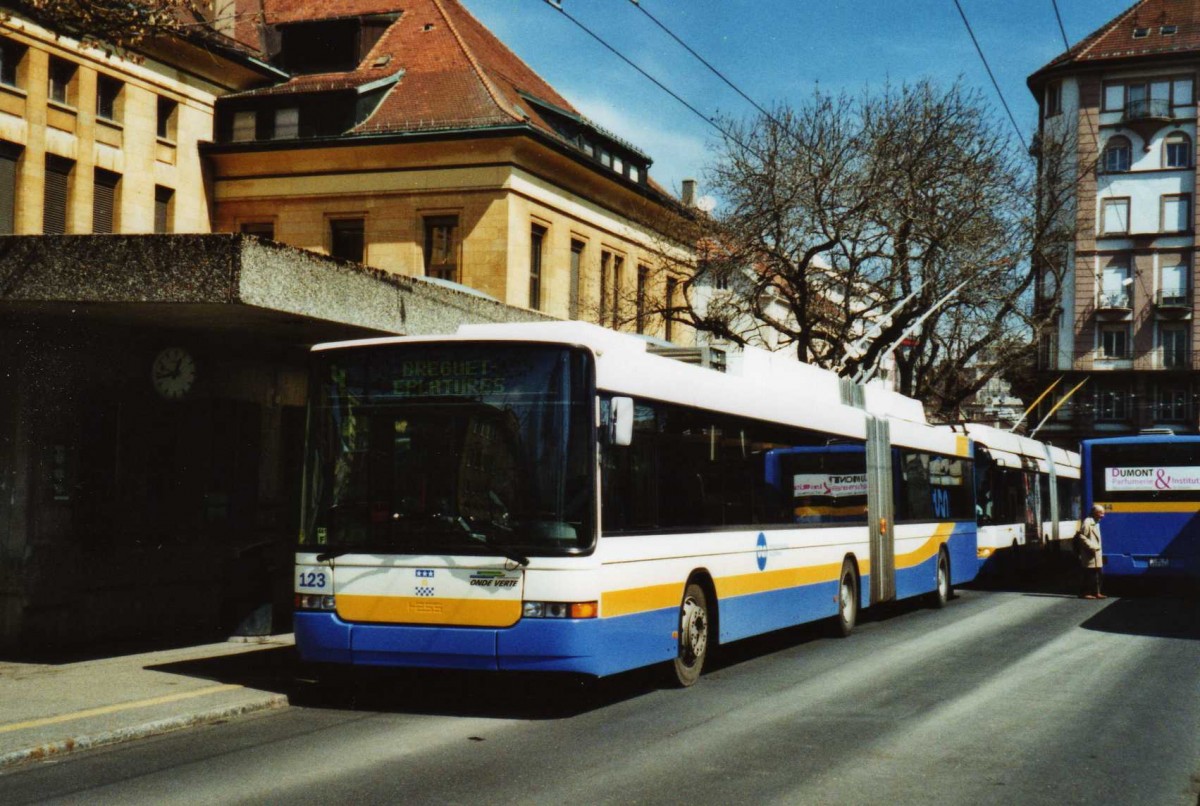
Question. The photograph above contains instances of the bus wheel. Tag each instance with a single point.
(693, 635)
(847, 615)
(941, 593)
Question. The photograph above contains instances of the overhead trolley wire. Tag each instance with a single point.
(554, 4)
(991, 75)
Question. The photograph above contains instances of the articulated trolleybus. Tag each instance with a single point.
(556, 497)
(1150, 487)
(1027, 494)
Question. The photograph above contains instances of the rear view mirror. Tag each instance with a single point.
(621, 423)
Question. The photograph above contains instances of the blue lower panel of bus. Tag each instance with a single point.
(744, 616)
(586, 646)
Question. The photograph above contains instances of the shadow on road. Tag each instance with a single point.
(1150, 612)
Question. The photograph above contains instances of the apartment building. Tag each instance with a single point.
(1124, 101)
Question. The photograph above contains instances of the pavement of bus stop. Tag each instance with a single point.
(51, 709)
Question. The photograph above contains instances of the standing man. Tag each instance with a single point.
(1091, 553)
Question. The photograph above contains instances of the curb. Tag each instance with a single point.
(64, 746)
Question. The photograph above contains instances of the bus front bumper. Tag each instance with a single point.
(584, 646)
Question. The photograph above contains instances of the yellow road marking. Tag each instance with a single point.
(112, 709)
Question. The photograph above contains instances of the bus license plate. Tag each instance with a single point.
(1159, 562)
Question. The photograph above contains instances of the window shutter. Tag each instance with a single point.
(54, 197)
(9, 155)
(104, 201)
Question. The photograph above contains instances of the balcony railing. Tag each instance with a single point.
(1173, 298)
(1148, 108)
(1114, 301)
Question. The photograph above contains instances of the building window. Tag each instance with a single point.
(1141, 33)
(244, 126)
(10, 155)
(166, 117)
(1114, 286)
(441, 247)
(1114, 341)
(1173, 404)
(669, 308)
(618, 271)
(635, 173)
(346, 239)
(55, 194)
(1053, 99)
(1117, 154)
(104, 201)
(108, 95)
(62, 81)
(163, 206)
(618, 165)
(1048, 348)
(261, 229)
(1112, 403)
(1181, 92)
(1114, 216)
(576, 276)
(11, 55)
(1176, 213)
(605, 281)
(1174, 338)
(537, 235)
(606, 158)
(1177, 151)
(1174, 286)
(287, 123)
(1168, 30)
(643, 275)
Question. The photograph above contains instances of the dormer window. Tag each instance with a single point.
(1168, 30)
(287, 123)
(1141, 33)
(618, 165)
(244, 126)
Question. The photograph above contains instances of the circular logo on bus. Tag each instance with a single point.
(761, 551)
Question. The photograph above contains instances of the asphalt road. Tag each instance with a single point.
(1004, 697)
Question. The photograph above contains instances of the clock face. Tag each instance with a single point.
(173, 372)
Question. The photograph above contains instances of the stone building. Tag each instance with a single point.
(153, 370)
(1124, 101)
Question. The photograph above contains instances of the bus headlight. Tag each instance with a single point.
(559, 610)
(314, 601)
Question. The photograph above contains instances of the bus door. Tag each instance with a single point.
(1033, 508)
(1052, 505)
(881, 510)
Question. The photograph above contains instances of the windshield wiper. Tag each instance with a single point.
(490, 542)
(326, 556)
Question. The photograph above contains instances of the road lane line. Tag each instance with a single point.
(111, 709)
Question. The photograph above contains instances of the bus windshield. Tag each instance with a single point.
(459, 448)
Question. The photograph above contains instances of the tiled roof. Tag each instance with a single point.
(1115, 39)
(456, 73)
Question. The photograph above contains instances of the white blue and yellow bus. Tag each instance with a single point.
(556, 497)
(1027, 495)
(1150, 487)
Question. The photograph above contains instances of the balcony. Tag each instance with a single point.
(1114, 305)
(1173, 302)
(1148, 109)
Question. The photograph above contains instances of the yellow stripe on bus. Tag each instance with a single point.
(422, 610)
(659, 597)
(1153, 506)
(641, 600)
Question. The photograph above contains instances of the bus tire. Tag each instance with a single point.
(847, 598)
(943, 589)
(694, 635)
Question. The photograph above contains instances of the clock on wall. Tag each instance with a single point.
(173, 372)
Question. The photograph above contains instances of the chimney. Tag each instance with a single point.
(689, 192)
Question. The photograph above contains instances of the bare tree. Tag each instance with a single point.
(897, 224)
(122, 24)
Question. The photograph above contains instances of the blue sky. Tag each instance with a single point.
(774, 50)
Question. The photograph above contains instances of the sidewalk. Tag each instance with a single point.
(51, 709)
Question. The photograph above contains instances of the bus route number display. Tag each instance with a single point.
(1151, 479)
(448, 378)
